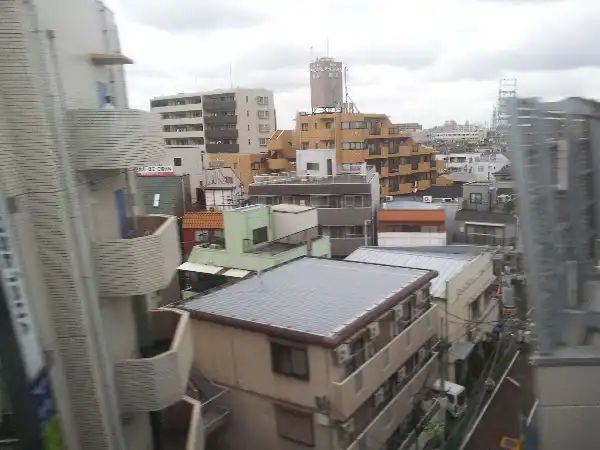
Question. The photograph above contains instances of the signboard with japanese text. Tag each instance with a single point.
(326, 83)
(155, 171)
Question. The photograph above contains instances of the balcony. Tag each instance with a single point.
(222, 148)
(404, 169)
(182, 426)
(424, 166)
(221, 119)
(283, 244)
(400, 406)
(215, 400)
(219, 105)
(156, 382)
(278, 163)
(114, 139)
(143, 262)
(357, 388)
(423, 184)
(405, 188)
(109, 59)
(228, 133)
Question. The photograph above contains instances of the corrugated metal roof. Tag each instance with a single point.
(310, 295)
(446, 264)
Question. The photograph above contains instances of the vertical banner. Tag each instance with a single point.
(27, 336)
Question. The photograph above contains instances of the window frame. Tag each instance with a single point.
(285, 350)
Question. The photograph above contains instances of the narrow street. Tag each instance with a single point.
(502, 416)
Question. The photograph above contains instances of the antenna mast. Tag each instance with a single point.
(349, 106)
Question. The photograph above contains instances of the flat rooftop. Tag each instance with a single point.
(313, 300)
(411, 205)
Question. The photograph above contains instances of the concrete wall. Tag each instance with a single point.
(193, 160)
(320, 157)
(239, 224)
(409, 239)
(247, 109)
(241, 360)
(286, 223)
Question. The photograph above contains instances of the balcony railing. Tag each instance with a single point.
(344, 176)
(283, 244)
(219, 105)
(416, 435)
(483, 239)
(215, 400)
(399, 407)
(143, 262)
(182, 426)
(227, 133)
(359, 386)
(114, 138)
(158, 381)
(220, 119)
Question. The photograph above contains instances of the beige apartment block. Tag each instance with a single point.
(320, 353)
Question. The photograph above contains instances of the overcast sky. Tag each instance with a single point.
(416, 60)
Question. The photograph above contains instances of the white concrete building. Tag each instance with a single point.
(221, 121)
(453, 132)
(481, 165)
(93, 264)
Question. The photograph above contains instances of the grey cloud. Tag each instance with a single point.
(194, 15)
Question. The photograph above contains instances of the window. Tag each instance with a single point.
(354, 231)
(353, 145)
(304, 126)
(262, 100)
(201, 235)
(353, 201)
(248, 127)
(296, 426)
(305, 146)
(333, 232)
(249, 141)
(353, 125)
(263, 142)
(177, 162)
(328, 125)
(263, 114)
(312, 166)
(246, 99)
(264, 128)
(476, 197)
(156, 200)
(247, 113)
(289, 360)
(260, 235)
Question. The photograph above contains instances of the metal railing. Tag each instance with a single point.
(351, 174)
(483, 239)
(282, 244)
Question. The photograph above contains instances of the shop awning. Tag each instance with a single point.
(236, 273)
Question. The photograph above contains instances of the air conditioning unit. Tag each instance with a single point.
(379, 397)
(343, 353)
(389, 198)
(348, 426)
(373, 330)
(401, 375)
(427, 199)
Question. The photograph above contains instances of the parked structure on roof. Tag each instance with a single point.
(331, 354)
(346, 197)
(253, 238)
(464, 290)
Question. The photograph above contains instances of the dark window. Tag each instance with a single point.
(295, 426)
(260, 235)
(177, 162)
(304, 126)
(476, 198)
(312, 166)
(289, 360)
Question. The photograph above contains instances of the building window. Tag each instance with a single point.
(289, 360)
(262, 100)
(304, 126)
(264, 128)
(295, 426)
(305, 146)
(353, 145)
(353, 201)
(201, 235)
(476, 197)
(354, 231)
(177, 162)
(263, 142)
(246, 99)
(263, 114)
(353, 125)
(328, 125)
(312, 166)
(249, 141)
(260, 235)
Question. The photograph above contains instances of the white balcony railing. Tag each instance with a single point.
(143, 263)
(157, 382)
(358, 387)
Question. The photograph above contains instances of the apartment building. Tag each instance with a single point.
(403, 165)
(486, 217)
(464, 290)
(216, 125)
(346, 197)
(320, 353)
(482, 165)
(86, 263)
(253, 238)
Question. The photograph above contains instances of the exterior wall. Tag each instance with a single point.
(482, 166)
(193, 162)
(241, 361)
(222, 199)
(73, 45)
(245, 166)
(239, 224)
(465, 288)
(248, 120)
(407, 239)
(320, 157)
(287, 223)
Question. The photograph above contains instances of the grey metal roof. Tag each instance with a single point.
(320, 297)
(445, 263)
